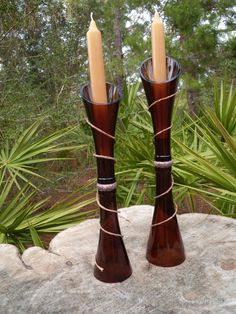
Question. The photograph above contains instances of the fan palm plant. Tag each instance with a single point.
(20, 160)
(213, 168)
(22, 219)
(134, 149)
(225, 106)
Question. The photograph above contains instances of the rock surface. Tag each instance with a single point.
(61, 280)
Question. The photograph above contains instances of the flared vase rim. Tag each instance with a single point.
(159, 82)
(82, 95)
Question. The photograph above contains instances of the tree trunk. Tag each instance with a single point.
(193, 102)
(118, 54)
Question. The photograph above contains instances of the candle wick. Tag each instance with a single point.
(91, 15)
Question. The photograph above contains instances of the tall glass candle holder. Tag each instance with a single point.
(111, 262)
(165, 246)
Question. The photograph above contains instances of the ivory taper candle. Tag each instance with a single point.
(158, 49)
(96, 63)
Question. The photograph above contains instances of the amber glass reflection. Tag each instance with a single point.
(165, 246)
(111, 253)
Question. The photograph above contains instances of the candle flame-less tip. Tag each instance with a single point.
(91, 15)
(157, 16)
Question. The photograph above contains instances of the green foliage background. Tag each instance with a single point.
(43, 55)
(43, 63)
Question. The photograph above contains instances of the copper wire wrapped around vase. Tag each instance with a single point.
(111, 262)
(165, 246)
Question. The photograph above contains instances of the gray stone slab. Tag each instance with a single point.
(61, 280)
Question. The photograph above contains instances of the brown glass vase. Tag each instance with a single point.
(111, 262)
(165, 246)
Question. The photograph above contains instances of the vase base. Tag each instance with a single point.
(166, 258)
(111, 277)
